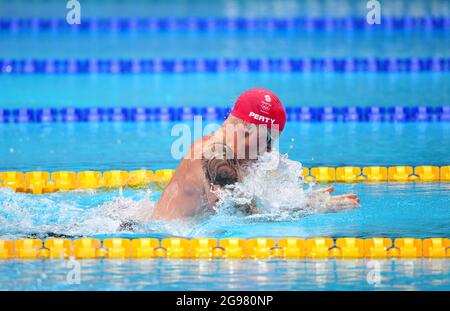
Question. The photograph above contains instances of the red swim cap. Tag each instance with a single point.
(260, 106)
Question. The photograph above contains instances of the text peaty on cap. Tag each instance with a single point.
(260, 106)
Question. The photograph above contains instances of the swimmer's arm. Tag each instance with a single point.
(327, 203)
(341, 202)
(321, 200)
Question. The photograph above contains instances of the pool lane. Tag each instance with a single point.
(255, 44)
(393, 210)
(182, 275)
(205, 8)
(203, 89)
(128, 146)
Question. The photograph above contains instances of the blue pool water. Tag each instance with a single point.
(418, 210)
(128, 146)
(234, 8)
(222, 44)
(155, 90)
(227, 275)
(399, 210)
(389, 210)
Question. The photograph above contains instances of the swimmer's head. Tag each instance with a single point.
(247, 140)
(257, 118)
(221, 172)
(261, 107)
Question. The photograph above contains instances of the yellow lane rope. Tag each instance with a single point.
(227, 248)
(39, 182)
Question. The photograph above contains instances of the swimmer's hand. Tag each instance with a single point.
(341, 202)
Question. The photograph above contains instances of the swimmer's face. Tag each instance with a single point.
(248, 140)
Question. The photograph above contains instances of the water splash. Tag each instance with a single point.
(69, 214)
(274, 183)
(275, 186)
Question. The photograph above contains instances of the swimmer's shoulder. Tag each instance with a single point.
(189, 177)
(197, 148)
(190, 170)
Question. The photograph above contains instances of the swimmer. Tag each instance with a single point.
(220, 159)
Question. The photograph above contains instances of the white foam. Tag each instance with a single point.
(276, 185)
(274, 182)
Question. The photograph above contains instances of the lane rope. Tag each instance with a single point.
(227, 248)
(211, 113)
(39, 182)
(196, 24)
(224, 65)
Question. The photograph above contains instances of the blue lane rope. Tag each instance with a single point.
(218, 65)
(225, 24)
(302, 114)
